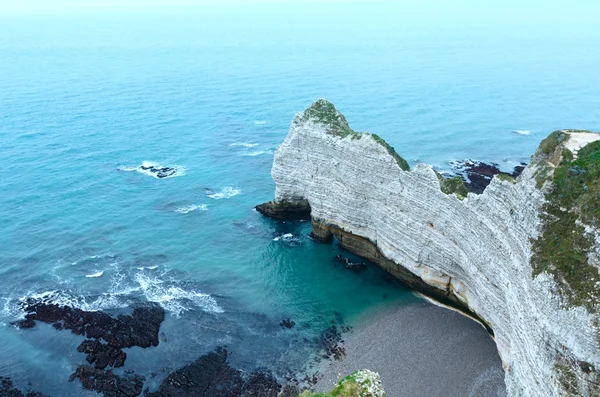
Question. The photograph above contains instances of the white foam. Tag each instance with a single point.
(522, 132)
(93, 275)
(226, 192)
(190, 208)
(102, 302)
(256, 153)
(149, 164)
(260, 122)
(149, 267)
(173, 298)
(126, 168)
(284, 237)
(244, 144)
(124, 291)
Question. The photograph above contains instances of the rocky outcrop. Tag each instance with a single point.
(286, 210)
(523, 256)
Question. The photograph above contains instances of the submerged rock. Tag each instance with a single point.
(8, 390)
(522, 256)
(107, 383)
(287, 323)
(211, 375)
(356, 267)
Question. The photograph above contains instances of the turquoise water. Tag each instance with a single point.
(84, 100)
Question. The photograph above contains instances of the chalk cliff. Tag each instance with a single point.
(523, 256)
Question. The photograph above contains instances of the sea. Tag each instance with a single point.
(90, 95)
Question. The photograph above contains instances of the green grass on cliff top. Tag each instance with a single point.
(326, 113)
(563, 247)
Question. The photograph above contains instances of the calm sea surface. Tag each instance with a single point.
(86, 99)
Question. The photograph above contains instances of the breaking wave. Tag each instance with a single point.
(190, 208)
(225, 193)
(244, 144)
(522, 132)
(125, 289)
(256, 153)
(93, 275)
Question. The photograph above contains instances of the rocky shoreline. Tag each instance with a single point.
(106, 335)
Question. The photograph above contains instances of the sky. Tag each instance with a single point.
(583, 11)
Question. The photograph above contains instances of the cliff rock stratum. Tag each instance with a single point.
(523, 257)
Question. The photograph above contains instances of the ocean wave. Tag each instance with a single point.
(522, 132)
(244, 144)
(190, 208)
(105, 301)
(289, 239)
(149, 267)
(174, 298)
(225, 193)
(126, 289)
(284, 237)
(260, 122)
(93, 275)
(156, 170)
(256, 153)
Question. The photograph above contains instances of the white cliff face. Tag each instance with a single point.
(479, 247)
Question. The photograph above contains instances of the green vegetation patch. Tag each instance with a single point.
(453, 185)
(325, 112)
(506, 178)
(549, 145)
(347, 387)
(567, 379)
(399, 159)
(563, 246)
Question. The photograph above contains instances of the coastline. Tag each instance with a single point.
(421, 350)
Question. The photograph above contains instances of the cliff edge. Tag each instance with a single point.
(523, 256)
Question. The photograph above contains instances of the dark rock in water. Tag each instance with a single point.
(518, 170)
(107, 383)
(102, 355)
(477, 175)
(8, 390)
(163, 337)
(287, 323)
(160, 172)
(330, 341)
(287, 210)
(210, 375)
(261, 384)
(354, 266)
(111, 333)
